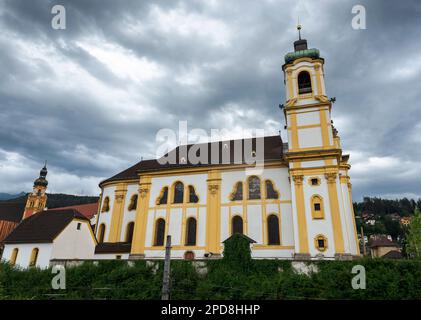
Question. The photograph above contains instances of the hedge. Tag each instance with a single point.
(263, 279)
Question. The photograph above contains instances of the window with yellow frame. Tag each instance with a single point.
(106, 205)
(14, 256)
(34, 257)
(317, 208)
(133, 202)
(320, 242)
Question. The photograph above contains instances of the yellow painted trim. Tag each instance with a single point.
(294, 132)
(102, 235)
(105, 207)
(98, 213)
(353, 218)
(317, 199)
(14, 256)
(335, 213)
(117, 213)
(316, 242)
(325, 126)
(34, 257)
(301, 214)
(132, 206)
(161, 194)
(213, 212)
(141, 221)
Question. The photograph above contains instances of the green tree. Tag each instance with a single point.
(414, 235)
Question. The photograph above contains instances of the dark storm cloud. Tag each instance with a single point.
(91, 98)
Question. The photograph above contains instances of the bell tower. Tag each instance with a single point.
(324, 223)
(38, 198)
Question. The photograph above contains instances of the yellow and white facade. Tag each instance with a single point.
(298, 207)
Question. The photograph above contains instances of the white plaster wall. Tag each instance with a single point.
(272, 253)
(287, 225)
(347, 219)
(312, 164)
(318, 226)
(254, 223)
(175, 226)
(308, 118)
(254, 213)
(310, 137)
(74, 244)
(24, 254)
(201, 227)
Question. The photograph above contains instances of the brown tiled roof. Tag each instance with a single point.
(113, 247)
(43, 226)
(382, 242)
(88, 210)
(12, 211)
(273, 150)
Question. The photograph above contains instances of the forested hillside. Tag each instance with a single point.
(57, 200)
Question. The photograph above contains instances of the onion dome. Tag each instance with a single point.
(301, 50)
(42, 181)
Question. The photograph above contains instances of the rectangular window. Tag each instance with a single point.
(321, 243)
(79, 225)
(317, 207)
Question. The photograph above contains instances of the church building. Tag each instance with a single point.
(298, 207)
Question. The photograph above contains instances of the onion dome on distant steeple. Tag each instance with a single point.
(42, 181)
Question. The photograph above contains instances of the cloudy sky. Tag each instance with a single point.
(91, 98)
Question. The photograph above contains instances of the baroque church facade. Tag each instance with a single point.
(298, 207)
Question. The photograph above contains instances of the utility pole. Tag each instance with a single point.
(363, 239)
(166, 278)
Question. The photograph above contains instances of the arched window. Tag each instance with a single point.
(14, 256)
(317, 210)
(191, 232)
(237, 194)
(133, 202)
(271, 193)
(304, 82)
(320, 242)
(106, 205)
(237, 225)
(273, 230)
(163, 196)
(34, 257)
(193, 198)
(178, 192)
(129, 232)
(254, 187)
(101, 233)
(159, 232)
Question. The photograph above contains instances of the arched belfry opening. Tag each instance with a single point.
(304, 82)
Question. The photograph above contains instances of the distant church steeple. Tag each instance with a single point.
(38, 198)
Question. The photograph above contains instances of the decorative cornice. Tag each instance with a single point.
(213, 188)
(298, 179)
(330, 177)
(143, 191)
